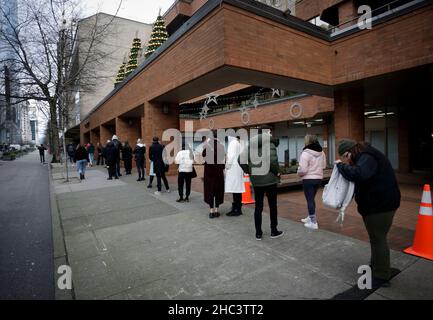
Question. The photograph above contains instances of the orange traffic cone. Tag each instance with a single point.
(246, 196)
(423, 242)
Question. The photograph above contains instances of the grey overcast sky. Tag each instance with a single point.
(140, 10)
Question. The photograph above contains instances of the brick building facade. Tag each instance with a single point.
(372, 84)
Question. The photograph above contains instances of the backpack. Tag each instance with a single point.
(338, 193)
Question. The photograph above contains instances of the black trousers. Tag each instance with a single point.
(100, 160)
(184, 178)
(128, 165)
(259, 194)
(112, 171)
(159, 176)
(237, 201)
(140, 169)
(42, 157)
(151, 180)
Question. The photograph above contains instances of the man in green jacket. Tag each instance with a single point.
(264, 170)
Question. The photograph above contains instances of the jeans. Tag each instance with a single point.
(81, 166)
(71, 158)
(91, 158)
(42, 157)
(378, 226)
(259, 195)
(162, 176)
(118, 168)
(184, 178)
(310, 189)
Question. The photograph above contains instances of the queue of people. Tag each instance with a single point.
(376, 189)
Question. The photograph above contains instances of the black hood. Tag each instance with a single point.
(315, 147)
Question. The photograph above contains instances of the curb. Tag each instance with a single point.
(59, 247)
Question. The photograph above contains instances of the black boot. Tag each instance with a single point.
(232, 211)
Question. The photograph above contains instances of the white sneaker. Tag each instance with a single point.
(310, 225)
(168, 191)
(305, 220)
(157, 193)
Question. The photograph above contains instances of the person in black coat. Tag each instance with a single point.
(111, 159)
(118, 146)
(156, 152)
(127, 157)
(377, 195)
(139, 154)
(42, 149)
(214, 155)
(81, 158)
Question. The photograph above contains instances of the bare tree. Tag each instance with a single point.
(45, 42)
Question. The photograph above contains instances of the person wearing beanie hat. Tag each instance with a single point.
(345, 145)
(378, 197)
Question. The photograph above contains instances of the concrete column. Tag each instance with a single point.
(349, 115)
(155, 122)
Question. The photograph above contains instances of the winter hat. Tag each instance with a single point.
(345, 145)
(114, 138)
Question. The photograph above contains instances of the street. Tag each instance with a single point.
(26, 246)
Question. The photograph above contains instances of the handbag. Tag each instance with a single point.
(194, 173)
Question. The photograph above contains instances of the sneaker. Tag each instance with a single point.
(259, 237)
(277, 234)
(168, 191)
(311, 225)
(157, 193)
(186, 200)
(211, 215)
(180, 200)
(305, 220)
(149, 187)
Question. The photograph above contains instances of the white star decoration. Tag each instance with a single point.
(211, 97)
(204, 111)
(276, 92)
(255, 102)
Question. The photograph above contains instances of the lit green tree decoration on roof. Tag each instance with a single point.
(158, 37)
(120, 75)
(133, 56)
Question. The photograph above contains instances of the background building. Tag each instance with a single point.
(349, 81)
(116, 45)
(10, 109)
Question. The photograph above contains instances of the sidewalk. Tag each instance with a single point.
(123, 242)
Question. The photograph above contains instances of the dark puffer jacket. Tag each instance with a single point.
(376, 188)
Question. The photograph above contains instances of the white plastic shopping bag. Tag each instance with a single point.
(338, 193)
